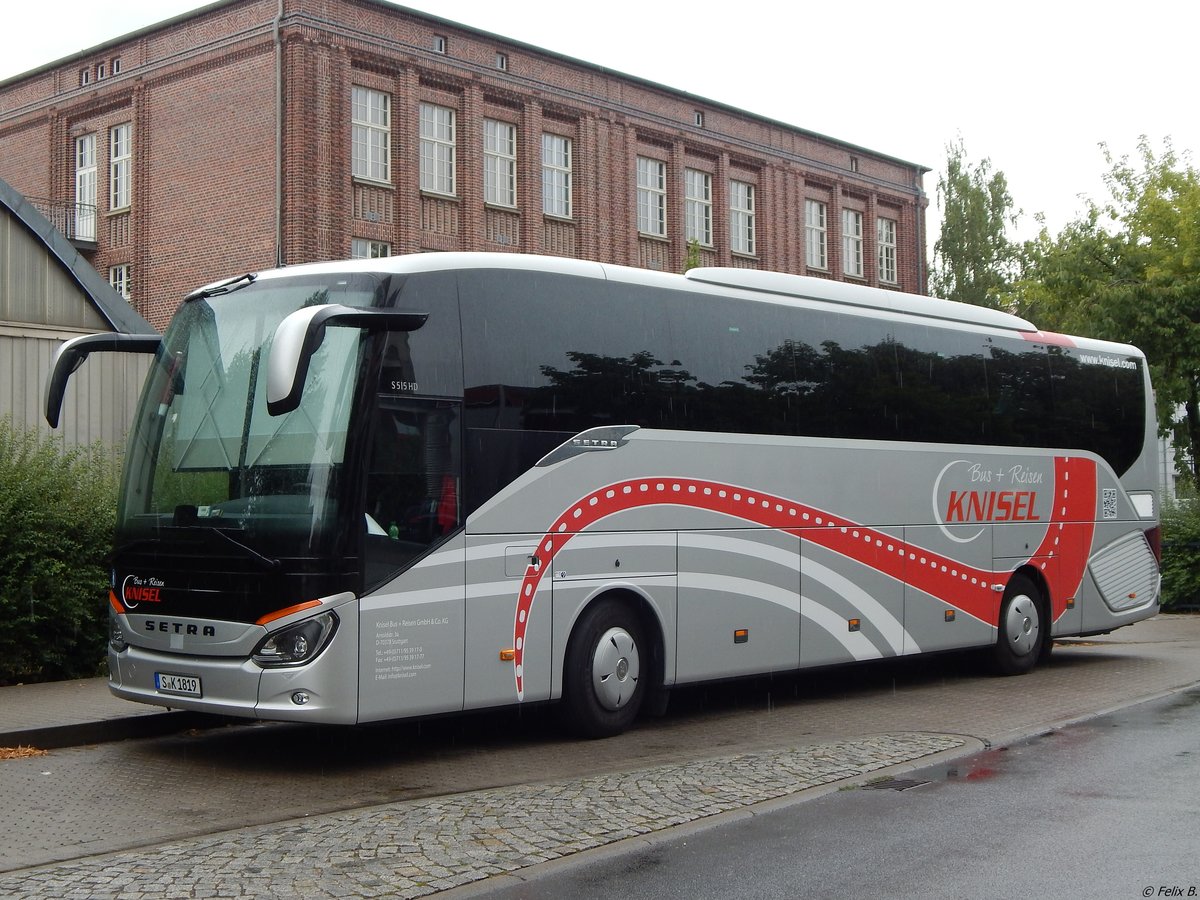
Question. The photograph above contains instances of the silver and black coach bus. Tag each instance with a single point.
(425, 484)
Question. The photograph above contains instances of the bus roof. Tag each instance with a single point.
(769, 284)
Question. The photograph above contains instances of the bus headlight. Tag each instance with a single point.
(296, 644)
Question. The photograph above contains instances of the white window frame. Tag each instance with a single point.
(438, 150)
(556, 175)
(852, 243)
(698, 202)
(742, 237)
(120, 166)
(86, 180)
(118, 277)
(816, 234)
(885, 231)
(371, 134)
(652, 196)
(364, 248)
(499, 163)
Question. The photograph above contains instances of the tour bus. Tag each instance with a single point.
(426, 484)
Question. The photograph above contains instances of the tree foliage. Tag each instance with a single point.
(973, 259)
(1129, 271)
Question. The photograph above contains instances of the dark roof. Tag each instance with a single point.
(114, 308)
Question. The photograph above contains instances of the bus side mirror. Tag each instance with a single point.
(70, 356)
(299, 336)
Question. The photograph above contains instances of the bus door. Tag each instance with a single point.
(412, 615)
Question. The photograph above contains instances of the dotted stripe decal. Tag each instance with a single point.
(964, 587)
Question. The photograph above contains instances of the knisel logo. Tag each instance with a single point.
(1003, 493)
(991, 506)
(135, 590)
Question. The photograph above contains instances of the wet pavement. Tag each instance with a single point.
(411, 809)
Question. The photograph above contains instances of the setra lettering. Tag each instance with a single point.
(180, 628)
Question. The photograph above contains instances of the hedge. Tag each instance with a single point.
(57, 515)
(1181, 555)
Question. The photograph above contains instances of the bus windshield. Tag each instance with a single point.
(205, 453)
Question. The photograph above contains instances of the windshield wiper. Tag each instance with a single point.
(185, 518)
(227, 286)
(269, 562)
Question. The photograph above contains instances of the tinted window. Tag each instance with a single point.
(549, 356)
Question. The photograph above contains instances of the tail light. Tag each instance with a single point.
(1154, 539)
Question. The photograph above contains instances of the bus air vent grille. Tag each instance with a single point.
(1125, 572)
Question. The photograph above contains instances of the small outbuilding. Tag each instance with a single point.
(49, 294)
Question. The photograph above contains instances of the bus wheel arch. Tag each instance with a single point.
(1023, 628)
(613, 661)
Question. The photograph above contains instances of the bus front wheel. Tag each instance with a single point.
(1019, 643)
(603, 684)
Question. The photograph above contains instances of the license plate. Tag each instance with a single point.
(188, 685)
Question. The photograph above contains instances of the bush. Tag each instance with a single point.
(1181, 555)
(57, 515)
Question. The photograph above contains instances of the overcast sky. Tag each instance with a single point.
(1034, 86)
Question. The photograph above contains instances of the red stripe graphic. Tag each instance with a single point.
(967, 588)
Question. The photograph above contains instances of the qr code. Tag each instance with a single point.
(1110, 503)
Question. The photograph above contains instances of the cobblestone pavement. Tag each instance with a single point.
(416, 848)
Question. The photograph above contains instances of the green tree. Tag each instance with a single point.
(973, 259)
(1129, 271)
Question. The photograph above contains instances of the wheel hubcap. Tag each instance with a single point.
(615, 668)
(1021, 625)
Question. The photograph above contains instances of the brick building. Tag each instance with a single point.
(251, 133)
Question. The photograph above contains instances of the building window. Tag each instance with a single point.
(85, 77)
(437, 149)
(652, 196)
(852, 243)
(439, 43)
(116, 65)
(101, 73)
(886, 243)
(120, 166)
(741, 217)
(854, 164)
(118, 277)
(556, 175)
(698, 118)
(815, 249)
(698, 206)
(361, 248)
(371, 134)
(499, 163)
(85, 187)
(502, 62)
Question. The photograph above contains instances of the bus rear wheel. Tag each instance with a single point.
(603, 685)
(1020, 638)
